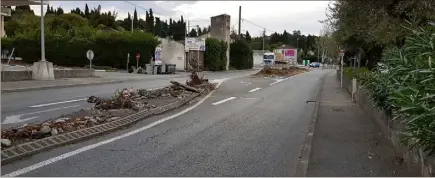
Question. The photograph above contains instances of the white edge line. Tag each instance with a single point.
(61, 102)
(224, 100)
(255, 89)
(89, 147)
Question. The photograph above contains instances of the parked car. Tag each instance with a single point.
(315, 65)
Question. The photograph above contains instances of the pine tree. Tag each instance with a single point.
(59, 11)
(86, 11)
(193, 33)
(151, 21)
(248, 36)
(158, 28)
(200, 31)
(135, 20)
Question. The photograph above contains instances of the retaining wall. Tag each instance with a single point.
(394, 130)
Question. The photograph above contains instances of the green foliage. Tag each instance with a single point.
(68, 37)
(352, 72)
(408, 89)
(241, 55)
(215, 58)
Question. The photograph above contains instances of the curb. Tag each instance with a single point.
(31, 148)
(302, 166)
(13, 90)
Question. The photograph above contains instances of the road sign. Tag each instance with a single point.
(341, 52)
(158, 55)
(137, 56)
(90, 54)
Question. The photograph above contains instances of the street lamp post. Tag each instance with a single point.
(42, 32)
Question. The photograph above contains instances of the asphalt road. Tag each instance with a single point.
(34, 106)
(248, 127)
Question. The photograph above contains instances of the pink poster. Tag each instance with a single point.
(289, 53)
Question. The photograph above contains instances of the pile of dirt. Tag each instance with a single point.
(280, 72)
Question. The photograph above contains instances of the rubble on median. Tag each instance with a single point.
(122, 104)
(280, 71)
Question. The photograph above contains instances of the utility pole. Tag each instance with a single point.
(240, 20)
(264, 36)
(131, 25)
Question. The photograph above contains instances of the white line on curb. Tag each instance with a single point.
(224, 100)
(61, 102)
(89, 147)
(255, 89)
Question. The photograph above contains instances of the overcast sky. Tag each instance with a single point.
(272, 15)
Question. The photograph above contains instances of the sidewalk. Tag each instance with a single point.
(347, 143)
(29, 85)
(102, 78)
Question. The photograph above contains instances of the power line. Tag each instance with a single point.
(257, 25)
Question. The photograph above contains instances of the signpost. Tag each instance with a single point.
(137, 60)
(341, 71)
(90, 56)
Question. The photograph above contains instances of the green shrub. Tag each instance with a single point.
(68, 37)
(408, 88)
(241, 55)
(215, 58)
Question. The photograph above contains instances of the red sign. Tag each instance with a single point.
(342, 52)
(137, 56)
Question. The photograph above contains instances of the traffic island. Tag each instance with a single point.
(108, 114)
(280, 72)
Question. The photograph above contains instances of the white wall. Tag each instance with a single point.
(258, 57)
(173, 53)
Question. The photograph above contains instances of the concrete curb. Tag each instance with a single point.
(302, 167)
(31, 148)
(13, 90)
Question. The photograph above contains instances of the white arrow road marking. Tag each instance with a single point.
(61, 102)
(255, 89)
(16, 118)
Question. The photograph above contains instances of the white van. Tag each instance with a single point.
(269, 58)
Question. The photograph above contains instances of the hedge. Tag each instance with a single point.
(68, 37)
(215, 58)
(241, 55)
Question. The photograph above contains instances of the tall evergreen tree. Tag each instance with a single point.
(151, 24)
(247, 36)
(135, 20)
(86, 11)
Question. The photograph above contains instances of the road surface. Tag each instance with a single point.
(33, 106)
(248, 127)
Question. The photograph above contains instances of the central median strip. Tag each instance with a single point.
(224, 100)
(104, 142)
(124, 109)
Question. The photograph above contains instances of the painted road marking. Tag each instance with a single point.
(95, 145)
(224, 100)
(17, 118)
(277, 81)
(61, 102)
(255, 89)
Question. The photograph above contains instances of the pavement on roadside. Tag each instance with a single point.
(347, 143)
